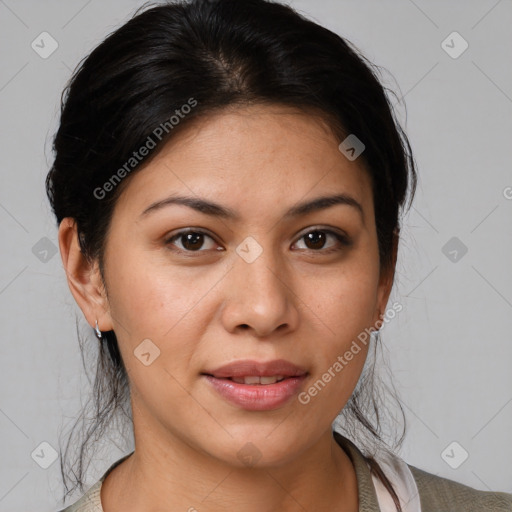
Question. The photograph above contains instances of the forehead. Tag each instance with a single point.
(254, 159)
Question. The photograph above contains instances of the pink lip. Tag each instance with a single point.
(257, 397)
(247, 367)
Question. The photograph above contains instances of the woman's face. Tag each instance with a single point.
(264, 280)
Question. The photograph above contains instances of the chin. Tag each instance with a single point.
(255, 448)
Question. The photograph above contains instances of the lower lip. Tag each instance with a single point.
(257, 397)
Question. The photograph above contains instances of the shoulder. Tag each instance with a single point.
(89, 502)
(442, 494)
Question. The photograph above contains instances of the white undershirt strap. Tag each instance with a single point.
(400, 476)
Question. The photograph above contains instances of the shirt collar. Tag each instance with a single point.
(366, 491)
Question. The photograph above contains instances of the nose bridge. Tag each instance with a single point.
(258, 295)
(261, 271)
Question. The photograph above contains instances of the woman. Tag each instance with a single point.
(227, 183)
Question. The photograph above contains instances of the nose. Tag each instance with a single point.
(259, 296)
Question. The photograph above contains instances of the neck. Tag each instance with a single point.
(174, 476)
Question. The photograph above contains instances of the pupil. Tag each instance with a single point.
(318, 239)
(193, 240)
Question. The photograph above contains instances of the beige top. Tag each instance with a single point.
(437, 494)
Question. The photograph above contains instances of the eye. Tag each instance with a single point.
(316, 239)
(191, 240)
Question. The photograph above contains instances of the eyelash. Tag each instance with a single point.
(343, 240)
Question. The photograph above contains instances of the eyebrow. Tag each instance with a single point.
(216, 210)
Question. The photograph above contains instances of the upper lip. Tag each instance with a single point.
(246, 367)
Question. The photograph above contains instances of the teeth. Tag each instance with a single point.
(271, 379)
(251, 380)
(257, 380)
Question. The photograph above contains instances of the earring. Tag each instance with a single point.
(97, 330)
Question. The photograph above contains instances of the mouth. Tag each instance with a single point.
(256, 386)
(254, 380)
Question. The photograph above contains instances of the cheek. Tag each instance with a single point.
(153, 299)
(340, 354)
(163, 304)
(343, 302)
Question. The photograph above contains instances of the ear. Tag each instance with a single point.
(386, 281)
(83, 277)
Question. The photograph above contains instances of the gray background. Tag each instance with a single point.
(450, 349)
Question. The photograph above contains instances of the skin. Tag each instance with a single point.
(296, 301)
